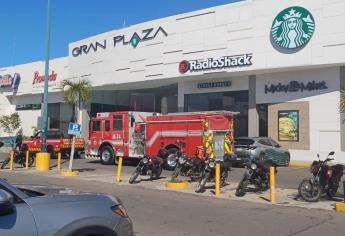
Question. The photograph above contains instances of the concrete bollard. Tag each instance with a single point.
(27, 160)
(119, 170)
(217, 190)
(272, 185)
(59, 161)
(11, 159)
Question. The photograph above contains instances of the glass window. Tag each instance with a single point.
(236, 101)
(117, 125)
(265, 142)
(274, 143)
(107, 125)
(96, 125)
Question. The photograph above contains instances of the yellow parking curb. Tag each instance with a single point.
(303, 164)
(340, 206)
(177, 185)
(69, 173)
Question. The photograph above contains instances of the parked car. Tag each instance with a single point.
(263, 148)
(27, 212)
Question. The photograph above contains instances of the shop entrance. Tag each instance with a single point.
(236, 101)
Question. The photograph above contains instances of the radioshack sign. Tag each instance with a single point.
(225, 62)
(9, 81)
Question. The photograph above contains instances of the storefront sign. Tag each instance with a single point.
(38, 79)
(221, 84)
(216, 64)
(28, 107)
(8, 81)
(293, 27)
(134, 40)
(295, 86)
(288, 126)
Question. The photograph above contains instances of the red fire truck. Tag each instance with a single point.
(135, 134)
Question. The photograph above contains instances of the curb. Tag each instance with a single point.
(340, 206)
(180, 185)
(303, 164)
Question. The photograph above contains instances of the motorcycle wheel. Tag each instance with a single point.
(133, 177)
(158, 172)
(176, 173)
(5, 162)
(308, 191)
(241, 188)
(200, 187)
(331, 192)
(224, 178)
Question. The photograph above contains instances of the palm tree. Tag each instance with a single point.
(76, 93)
(342, 102)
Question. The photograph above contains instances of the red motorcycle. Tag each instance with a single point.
(325, 179)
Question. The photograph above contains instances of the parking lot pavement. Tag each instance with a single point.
(288, 180)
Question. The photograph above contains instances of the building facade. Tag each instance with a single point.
(280, 64)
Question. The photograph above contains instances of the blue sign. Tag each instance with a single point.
(74, 129)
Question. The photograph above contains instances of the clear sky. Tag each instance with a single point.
(23, 22)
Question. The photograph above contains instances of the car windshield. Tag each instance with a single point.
(246, 142)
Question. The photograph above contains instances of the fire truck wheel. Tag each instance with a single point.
(107, 155)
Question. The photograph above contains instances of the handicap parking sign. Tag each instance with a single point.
(74, 129)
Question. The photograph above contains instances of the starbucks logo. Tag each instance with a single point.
(293, 27)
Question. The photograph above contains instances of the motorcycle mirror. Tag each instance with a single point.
(331, 153)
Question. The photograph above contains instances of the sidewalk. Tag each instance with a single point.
(285, 197)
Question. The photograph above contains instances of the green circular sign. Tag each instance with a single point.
(293, 27)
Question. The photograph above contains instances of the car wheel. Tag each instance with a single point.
(107, 155)
(50, 150)
(93, 231)
(288, 159)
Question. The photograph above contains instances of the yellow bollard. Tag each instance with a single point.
(11, 159)
(217, 179)
(272, 185)
(59, 161)
(27, 160)
(119, 170)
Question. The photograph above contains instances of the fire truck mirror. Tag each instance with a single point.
(137, 128)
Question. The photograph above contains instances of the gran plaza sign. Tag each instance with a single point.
(225, 62)
(133, 39)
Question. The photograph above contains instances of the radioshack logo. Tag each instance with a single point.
(216, 64)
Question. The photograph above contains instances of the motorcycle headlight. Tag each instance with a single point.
(145, 160)
(253, 166)
(181, 160)
(211, 164)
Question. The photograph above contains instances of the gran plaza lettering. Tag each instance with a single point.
(295, 86)
(220, 84)
(40, 78)
(215, 64)
(134, 40)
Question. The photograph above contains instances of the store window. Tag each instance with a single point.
(236, 101)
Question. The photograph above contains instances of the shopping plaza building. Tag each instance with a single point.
(281, 64)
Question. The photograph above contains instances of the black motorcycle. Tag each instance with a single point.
(325, 179)
(257, 174)
(151, 166)
(19, 155)
(209, 174)
(190, 167)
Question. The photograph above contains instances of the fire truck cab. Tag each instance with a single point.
(117, 134)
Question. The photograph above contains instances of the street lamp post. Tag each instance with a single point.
(44, 120)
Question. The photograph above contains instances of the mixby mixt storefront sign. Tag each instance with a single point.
(293, 28)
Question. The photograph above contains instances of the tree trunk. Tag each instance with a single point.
(76, 109)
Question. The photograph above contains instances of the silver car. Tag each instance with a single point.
(30, 213)
(263, 148)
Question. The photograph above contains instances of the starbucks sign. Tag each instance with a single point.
(293, 27)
